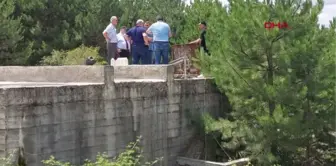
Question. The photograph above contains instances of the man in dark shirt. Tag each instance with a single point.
(139, 49)
(201, 40)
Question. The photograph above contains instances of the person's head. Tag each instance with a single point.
(114, 20)
(147, 24)
(159, 18)
(202, 25)
(123, 30)
(140, 22)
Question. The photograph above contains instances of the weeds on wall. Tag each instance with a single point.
(132, 156)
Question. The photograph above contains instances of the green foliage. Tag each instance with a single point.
(9, 160)
(210, 11)
(280, 82)
(31, 30)
(73, 57)
(11, 36)
(132, 156)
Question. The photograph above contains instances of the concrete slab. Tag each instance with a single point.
(76, 73)
(5, 84)
(138, 80)
(8, 84)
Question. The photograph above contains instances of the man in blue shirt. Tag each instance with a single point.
(139, 49)
(161, 34)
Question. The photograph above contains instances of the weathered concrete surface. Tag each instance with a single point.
(146, 72)
(75, 122)
(183, 161)
(52, 73)
(88, 74)
(43, 84)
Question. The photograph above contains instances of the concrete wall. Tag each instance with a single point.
(80, 73)
(52, 73)
(145, 72)
(75, 122)
(183, 161)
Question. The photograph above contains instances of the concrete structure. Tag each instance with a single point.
(183, 161)
(74, 112)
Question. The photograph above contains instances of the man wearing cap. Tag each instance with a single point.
(201, 40)
(110, 35)
(161, 34)
(139, 49)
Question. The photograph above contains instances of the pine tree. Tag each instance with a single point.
(280, 81)
(64, 25)
(11, 36)
(200, 10)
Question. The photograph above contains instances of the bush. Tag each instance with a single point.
(76, 56)
(9, 160)
(132, 156)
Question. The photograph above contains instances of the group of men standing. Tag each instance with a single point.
(146, 43)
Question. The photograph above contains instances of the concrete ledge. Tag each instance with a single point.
(141, 72)
(183, 161)
(78, 73)
(81, 73)
(7, 85)
(44, 76)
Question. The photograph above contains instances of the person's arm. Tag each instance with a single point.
(197, 41)
(105, 34)
(170, 34)
(120, 39)
(145, 37)
(128, 38)
(128, 35)
(149, 30)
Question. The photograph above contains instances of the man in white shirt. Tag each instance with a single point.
(110, 35)
(123, 45)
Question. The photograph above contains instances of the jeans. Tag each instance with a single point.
(161, 49)
(152, 56)
(140, 52)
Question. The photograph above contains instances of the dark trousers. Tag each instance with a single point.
(205, 50)
(124, 53)
(140, 52)
(111, 52)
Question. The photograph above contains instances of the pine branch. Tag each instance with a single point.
(221, 146)
(297, 9)
(278, 37)
(243, 52)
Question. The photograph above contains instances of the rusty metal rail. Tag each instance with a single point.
(180, 60)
